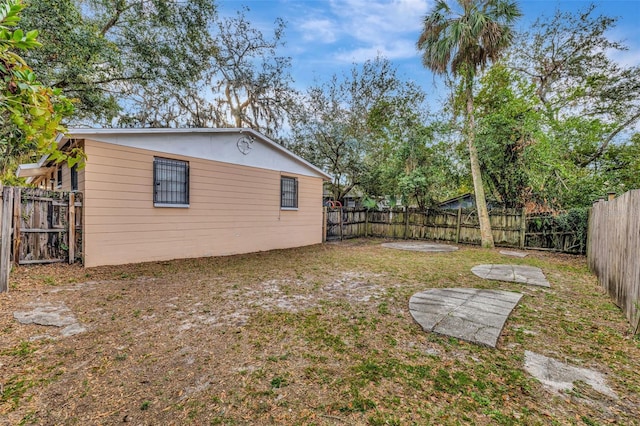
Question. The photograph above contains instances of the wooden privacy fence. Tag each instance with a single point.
(511, 227)
(38, 226)
(614, 251)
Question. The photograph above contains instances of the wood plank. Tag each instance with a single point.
(551, 233)
(40, 198)
(324, 224)
(17, 205)
(41, 261)
(42, 230)
(5, 232)
(523, 228)
(406, 223)
(458, 222)
(71, 234)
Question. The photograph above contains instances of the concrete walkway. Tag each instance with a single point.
(418, 246)
(474, 315)
(513, 273)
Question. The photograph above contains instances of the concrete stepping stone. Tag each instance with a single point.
(470, 314)
(558, 376)
(418, 246)
(51, 315)
(512, 273)
(513, 253)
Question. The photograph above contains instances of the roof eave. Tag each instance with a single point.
(75, 133)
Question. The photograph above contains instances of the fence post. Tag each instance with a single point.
(325, 218)
(341, 224)
(523, 228)
(17, 205)
(71, 234)
(406, 222)
(5, 232)
(589, 230)
(458, 224)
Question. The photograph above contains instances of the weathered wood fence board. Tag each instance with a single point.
(511, 227)
(39, 226)
(6, 234)
(614, 251)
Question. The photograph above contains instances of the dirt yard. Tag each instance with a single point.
(320, 335)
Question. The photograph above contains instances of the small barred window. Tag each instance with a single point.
(170, 183)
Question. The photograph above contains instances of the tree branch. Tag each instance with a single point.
(609, 138)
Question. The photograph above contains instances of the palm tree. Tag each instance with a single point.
(464, 41)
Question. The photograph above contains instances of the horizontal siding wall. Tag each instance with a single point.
(233, 209)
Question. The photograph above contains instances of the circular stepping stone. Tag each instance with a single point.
(512, 273)
(470, 314)
(424, 247)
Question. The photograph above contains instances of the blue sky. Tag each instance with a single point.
(325, 37)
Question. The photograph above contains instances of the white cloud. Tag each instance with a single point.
(375, 21)
(399, 49)
(319, 30)
(366, 28)
(625, 58)
(628, 34)
(628, 37)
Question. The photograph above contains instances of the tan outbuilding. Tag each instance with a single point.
(160, 194)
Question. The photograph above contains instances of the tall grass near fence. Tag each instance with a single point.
(614, 251)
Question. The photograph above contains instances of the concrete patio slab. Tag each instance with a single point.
(474, 315)
(419, 246)
(513, 253)
(514, 273)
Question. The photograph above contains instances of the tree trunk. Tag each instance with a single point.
(481, 201)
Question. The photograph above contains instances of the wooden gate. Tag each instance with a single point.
(39, 226)
(334, 224)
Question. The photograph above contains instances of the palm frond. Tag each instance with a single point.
(470, 38)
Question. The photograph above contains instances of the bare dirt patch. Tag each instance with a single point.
(318, 335)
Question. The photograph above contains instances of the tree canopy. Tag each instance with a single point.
(30, 112)
(247, 84)
(114, 56)
(582, 107)
(363, 128)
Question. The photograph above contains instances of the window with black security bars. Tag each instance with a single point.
(288, 192)
(170, 182)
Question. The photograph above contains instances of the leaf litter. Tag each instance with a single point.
(316, 335)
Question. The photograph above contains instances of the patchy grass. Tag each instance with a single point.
(312, 336)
